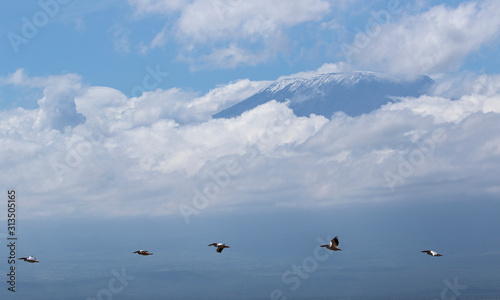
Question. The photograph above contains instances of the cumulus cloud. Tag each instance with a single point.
(57, 107)
(175, 104)
(188, 148)
(156, 153)
(224, 96)
(482, 96)
(437, 40)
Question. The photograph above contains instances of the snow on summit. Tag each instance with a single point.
(324, 94)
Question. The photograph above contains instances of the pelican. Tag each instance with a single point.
(431, 253)
(29, 259)
(143, 252)
(334, 243)
(219, 246)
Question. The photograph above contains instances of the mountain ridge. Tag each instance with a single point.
(353, 93)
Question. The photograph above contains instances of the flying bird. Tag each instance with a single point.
(29, 259)
(431, 253)
(219, 246)
(334, 243)
(143, 252)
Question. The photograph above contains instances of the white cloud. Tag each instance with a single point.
(101, 103)
(244, 19)
(158, 41)
(482, 96)
(434, 41)
(226, 95)
(187, 148)
(57, 107)
(230, 33)
(228, 57)
(120, 39)
(16, 78)
(164, 145)
(174, 104)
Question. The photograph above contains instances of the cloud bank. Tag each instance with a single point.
(106, 154)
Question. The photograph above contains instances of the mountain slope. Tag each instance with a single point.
(353, 93)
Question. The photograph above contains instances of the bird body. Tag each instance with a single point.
(334, 243)
(29, 259)
(431, 253)
(219, 246)
(143, 252)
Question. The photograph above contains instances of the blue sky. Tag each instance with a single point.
(107, 136)
(110, 43)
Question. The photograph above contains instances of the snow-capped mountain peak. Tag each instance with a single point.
(324, 94)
